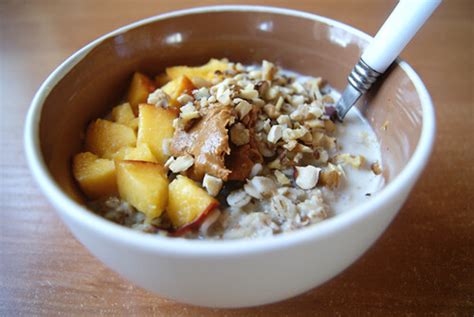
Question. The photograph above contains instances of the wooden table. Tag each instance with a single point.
(423, 264)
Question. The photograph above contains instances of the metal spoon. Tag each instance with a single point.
(400, 27)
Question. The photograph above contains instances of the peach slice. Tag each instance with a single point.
(123, 114)
(144, 185)
(155, 125)
(141, 153)
(176, 87)
(205, 71)
(188, 203)
(104, 138)
(140, 87)
(96, 176)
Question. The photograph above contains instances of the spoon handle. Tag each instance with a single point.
(400, 27)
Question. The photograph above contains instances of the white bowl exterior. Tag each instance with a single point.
(240, 280)
(236, 273)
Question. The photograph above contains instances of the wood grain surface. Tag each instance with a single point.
(422, 265)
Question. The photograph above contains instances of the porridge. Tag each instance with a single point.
(226, 151)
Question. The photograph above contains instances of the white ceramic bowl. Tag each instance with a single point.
(229, 273)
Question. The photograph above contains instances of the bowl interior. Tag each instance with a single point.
(308, 46)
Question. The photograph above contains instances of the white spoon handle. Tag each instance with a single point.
(400, 27)
(391, 39)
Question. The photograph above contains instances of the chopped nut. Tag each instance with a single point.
(275, 164)
(223, 95)
(375, 167)
(158, 98)
(188, 116)
(385, 125)
(254, 74)
(169, 161)
(187, 108)
(212, 99)
(201, 93)
(284, 120)
(267, 125)
(268, 70)
(279, 103)
(330, 142)
(177, 123)
(265, 149)
(166, 146)
(212, 184)
(259, 186)
(258, 102)
(281, 178)
(203, 103)
(262, 87)
(307, 176)
(293, 134)
(275, 134)
(243, 108)
(297, 158)
(300, 148)
(321, 156)
(239, 135)
(181, 163)
(329, 126)
(355, 161)
(315, 124)
(297, 100)
(248, 93)
(314, 85)
(299, 89)
(259, 125)
(307, 138)
(271, 111)
(299, 114)
(331, 176)
(238, 198)
(290, 145)
(322, 140)
(272, 93)
(256, 169)
(315, 110)
(239, 67)
(184, 99)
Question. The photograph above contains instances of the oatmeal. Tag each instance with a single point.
(227, 151)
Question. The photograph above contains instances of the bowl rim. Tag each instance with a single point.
(195, 248)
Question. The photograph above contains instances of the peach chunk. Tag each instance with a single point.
(96, 176)
(144, 185)
(188, 203)
(104, 138)
(120, 154)
(139, 90)
(123, 114)
(176, 87)
(141, 153)
(155, 125)
(205, 71)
